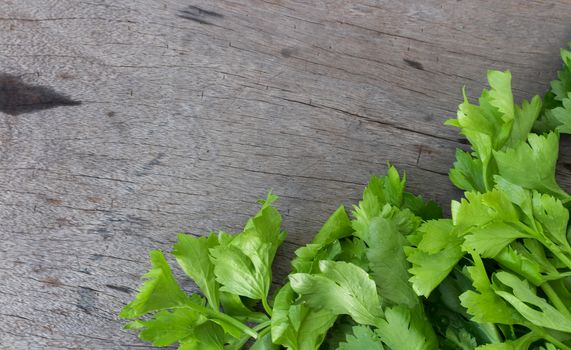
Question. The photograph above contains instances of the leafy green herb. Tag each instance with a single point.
(363, 337)
(395, 275)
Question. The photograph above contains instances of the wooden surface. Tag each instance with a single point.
(125, 122)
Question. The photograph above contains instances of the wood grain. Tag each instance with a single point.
(190, 111)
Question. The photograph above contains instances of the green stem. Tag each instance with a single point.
(267, 306)
(239, 343)
(532, 233)
(547, 243)
(264, 332)
(555, 300)
(262, 325)
(542, 333)
(558, 253)
(221, 316)
(244, 339)
(485, 176)
(556, 342)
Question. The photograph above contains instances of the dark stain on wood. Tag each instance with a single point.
(196, 14)
(54, 201)
(87, 299)
(18, 97)
(288, 51)
(52, 282)
(567, 166)
(111, 114)
(119, 288)
(413, 64)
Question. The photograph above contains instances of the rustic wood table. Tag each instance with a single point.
(125, 122)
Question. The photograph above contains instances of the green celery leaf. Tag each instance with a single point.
(230, 325)
(467, 172)
(547, 121)
(308, 257)
(500, 93)
(369, 207)
(233, 306)
(428, 270)
(437, 235)
(362, 338)
(166, 327)
(159, 291)
(526, 115)
(502, 206)
(192, 254)
(471, 211)
(354, 251)
(388, 263)
(296, 326)
(518, 196)
(436, 254)
(242, 263)
(535, 251)
(336, 227)
(562, 85)
(524, 265)
(553, 216)
(241, 273)
(522, 297)
(405, 330)
(557, 108)
(134, 325)
(342, 288)
(404, 219)
(487, 127)
(563, 115)
(479, 209)
(483, 303)
(459, 339)
(538, 153)
(486, 307)
(393, 187)
(483, 147)
(207, 336)
(266, 225)
(325, 244)
(378, 193)
(489, 240)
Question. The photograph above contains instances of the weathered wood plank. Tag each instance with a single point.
(191, 111)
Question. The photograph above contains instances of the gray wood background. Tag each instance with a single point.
(125, 122)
